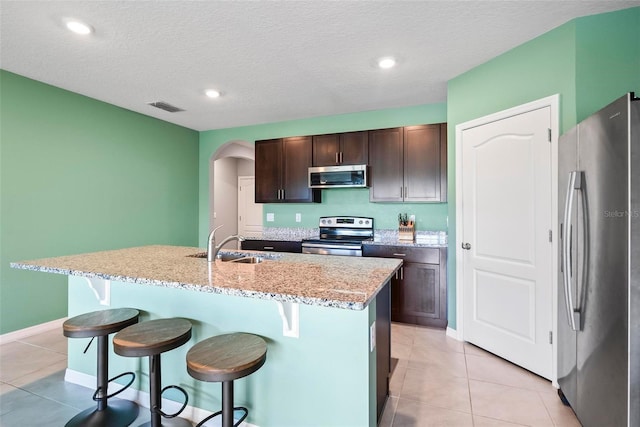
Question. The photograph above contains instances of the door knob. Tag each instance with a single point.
(466, 246)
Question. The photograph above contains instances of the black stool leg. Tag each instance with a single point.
(155, 383)
(103, 372)
(227, 404)
(155, 399)
(118, 413)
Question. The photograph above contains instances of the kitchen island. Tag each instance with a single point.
(321, 317)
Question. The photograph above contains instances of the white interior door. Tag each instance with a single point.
(249, 212)
(507, 221)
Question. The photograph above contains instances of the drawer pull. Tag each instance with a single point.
(399, 254)
(268, 248)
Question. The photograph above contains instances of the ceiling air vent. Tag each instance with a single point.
(165, 106)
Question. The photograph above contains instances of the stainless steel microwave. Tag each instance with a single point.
(348, 176)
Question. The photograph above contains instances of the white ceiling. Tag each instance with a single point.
(273, 61)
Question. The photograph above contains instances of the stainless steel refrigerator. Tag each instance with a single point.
(599, 283)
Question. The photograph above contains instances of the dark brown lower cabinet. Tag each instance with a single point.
(272, 246)
(419, 290)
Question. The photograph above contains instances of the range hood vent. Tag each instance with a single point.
(165, 106)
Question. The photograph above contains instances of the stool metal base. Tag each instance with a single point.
(170, 422)
(117, 413)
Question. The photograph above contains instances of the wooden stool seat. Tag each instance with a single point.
(99, 323)
(226, 357)
(152, 337)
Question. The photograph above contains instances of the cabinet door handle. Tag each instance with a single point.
(337, 157)
(399, 254)
(406, 193)
(267, 248)
(401, 273)
(283, 194)
(401, 193)
(341, 157)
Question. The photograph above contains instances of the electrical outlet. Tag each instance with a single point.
(372, 336)
(298, 217)
(215, 215)
(271, 217)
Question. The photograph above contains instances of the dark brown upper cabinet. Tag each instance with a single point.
(282, 171)
(408, 164)
(350, 148)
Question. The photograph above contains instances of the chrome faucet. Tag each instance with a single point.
(211, 245)
(213, 249)
(228, 239)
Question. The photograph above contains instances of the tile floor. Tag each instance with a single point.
(437, 381)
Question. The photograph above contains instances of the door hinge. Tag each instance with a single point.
(550, 337)
(550, 236)
(549, 134)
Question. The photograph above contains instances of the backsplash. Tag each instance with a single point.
(284, 233)
(382, 236)
(422, 237)
(355, 202)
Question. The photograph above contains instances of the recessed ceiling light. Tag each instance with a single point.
(386, 62)
(212, 93)
(79, 27)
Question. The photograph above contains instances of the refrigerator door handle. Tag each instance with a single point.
(566, 249)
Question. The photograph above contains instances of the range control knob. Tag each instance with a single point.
(323, 221)
(360, 222)
(367, 222)
(328, 221)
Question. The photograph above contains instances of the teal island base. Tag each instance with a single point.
(328, 376)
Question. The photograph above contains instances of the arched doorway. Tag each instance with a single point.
(232, 162)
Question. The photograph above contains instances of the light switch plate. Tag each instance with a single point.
(271, 217)
(298, 217)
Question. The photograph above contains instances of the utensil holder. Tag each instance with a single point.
(407, 232)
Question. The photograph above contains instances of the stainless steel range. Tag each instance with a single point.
(340, 235)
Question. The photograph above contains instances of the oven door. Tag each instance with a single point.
(331, 249)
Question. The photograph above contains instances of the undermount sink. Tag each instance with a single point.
(230, 257)
(247, 260)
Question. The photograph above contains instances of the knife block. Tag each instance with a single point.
(407, 232)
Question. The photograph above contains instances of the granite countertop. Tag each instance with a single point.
(324, 280)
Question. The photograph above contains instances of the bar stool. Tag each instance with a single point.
(100, 324)
(225, 358)
(152, 338)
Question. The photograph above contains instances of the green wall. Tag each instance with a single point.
(429, 216)
(589, 61)
(607, 59)
(79, 175)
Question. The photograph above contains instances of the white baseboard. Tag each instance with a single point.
(142, 398)
(33, 330)
(452, 333)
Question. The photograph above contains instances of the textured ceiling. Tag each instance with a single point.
(273, 61)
